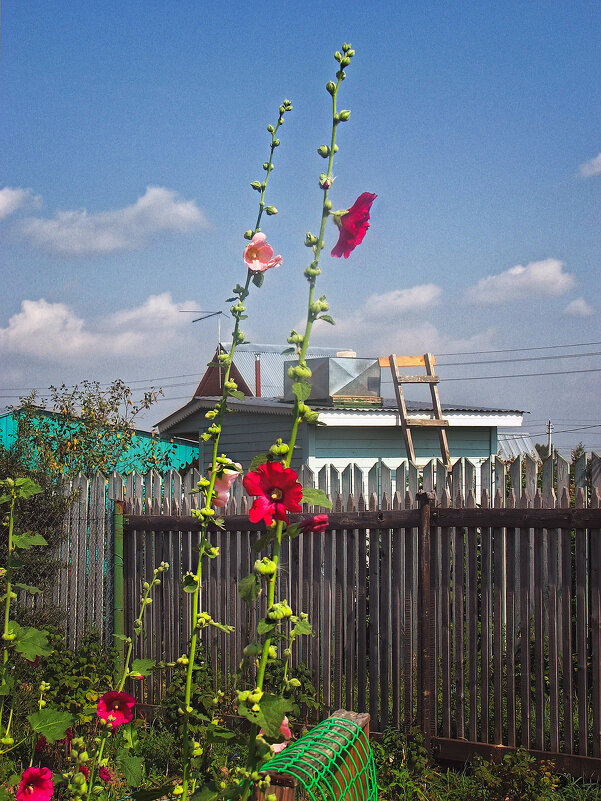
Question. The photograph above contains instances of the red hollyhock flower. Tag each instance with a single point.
(40, 744)
(35, 785)
(353, 225)
(278, 492)
(104, 775)
(116, 708)
(317, 523)
(85, 771)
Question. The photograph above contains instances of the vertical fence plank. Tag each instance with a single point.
(472, 624)
(485, 628)
(362, 621)
(458, 618)
(374, 622)
(581, 631)
(385, 599)
(595, 625)
(445, 613)
(510, 640)
(497, 556)
(525, 561)
(396, 624)
(339, 618)
(350, 617)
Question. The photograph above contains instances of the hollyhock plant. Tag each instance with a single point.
(35, 785)
(258, 254)
(317, 524)
(278, 492)
(104, 775)
(286, 733)
(116, 708)
(353, 224)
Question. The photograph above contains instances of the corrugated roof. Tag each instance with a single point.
(513, 444)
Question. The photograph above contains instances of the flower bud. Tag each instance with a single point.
(270, 210)
(247, 235)
(350, 53)
(276, 142)
(344, 115)
(256, 185)
(324, 151)
(310, 239)
(338, 56)
(331, 87)
(345, 62)
(270, 129)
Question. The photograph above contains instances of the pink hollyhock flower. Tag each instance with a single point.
(223, 484)
(104, 775)
(258, 254)
(287, 734)
(35, 785)
(353, 224)
(278, 492)
(116, 708)
(317, 523)
(85, 771)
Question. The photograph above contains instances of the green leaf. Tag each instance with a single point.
(121, 637)
(28, 588)
(28, 540)
(260, 458)
(152, 794)
(6, 688)
(219, 522)
(258, 279)
(52, 723)
(316, 497)
(302, 627)
(141, 667)
(288, 351)
(326, 318)
(249, 588)
(231, 300)
(273, 710)
(264, 627)
(26, 488)
(237, 393)
(190, 583)
(32, 642)
(4, 498)
(302, 390)
(130, 735)
(131, 767)
(268, 537)
(208, 792)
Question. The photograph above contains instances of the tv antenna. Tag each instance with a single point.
(205, 316)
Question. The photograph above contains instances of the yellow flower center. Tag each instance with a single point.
(276, 494)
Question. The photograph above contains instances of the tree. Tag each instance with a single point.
(85, 428)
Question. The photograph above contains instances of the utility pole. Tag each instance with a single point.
(549, 437)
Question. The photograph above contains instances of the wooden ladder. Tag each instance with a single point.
(438, 421)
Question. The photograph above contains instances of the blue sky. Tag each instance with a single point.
(131, 130)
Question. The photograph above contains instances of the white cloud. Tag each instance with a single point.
(78, 233)
(538, 278)
(53, 332)
(591, 168)
(401, 301)
(579, 308)
(12, 199)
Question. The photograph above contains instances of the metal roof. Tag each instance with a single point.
(515, 443)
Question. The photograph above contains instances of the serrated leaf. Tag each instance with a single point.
(4, 498)
(302, 390)
(207, 792)
(219, 522)
(273, 710)
(52, 723)
(131, 767)
(302, 626)
(26, 488)
(32, 642)
(28, 588)
(258, 279)
(6, 688)
(264, 627)
(141, 667)
(259, 459)
(316, 497)
(268, 537)
(327, 319)
(28, 540)
(249, 588)
(237, 393)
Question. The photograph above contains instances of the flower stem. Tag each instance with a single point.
(5, 637)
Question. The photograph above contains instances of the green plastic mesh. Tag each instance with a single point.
(333, 761)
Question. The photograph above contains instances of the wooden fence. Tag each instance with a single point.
(481, 625)
(85, 590)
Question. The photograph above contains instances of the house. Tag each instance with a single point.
(358, 426)
(180, 453)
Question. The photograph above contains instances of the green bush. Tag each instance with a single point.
(518, 777)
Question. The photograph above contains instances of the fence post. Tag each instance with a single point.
(118, 610)
(426, 691)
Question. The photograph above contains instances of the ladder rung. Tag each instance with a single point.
(417, 379)
(426, 423)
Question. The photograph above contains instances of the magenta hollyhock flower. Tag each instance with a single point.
(116, 708)
(278, 492)
(317, 523)
(35, 785)
(353, 224)
(258, 254)
(85, 771)
(104, 775)
(40, 744)
(223, 484)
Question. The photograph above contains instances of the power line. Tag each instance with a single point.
(516, 350)
(555, 431)
(522, 359)
(520, 375)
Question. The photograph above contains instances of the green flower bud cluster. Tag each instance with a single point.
(306, 415)
(279, 611)
(253, 649)
(295, 338)
(257, 186)
(278, 449)
(8, 741)
(299, 371)
(265, 567)
(312, 271)
(267, 166)
(310, 240)
(318, 306)
(183, 660)
(270, 210)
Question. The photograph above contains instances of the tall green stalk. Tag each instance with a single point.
(206, 513)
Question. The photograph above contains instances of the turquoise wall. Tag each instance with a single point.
(185, 454)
